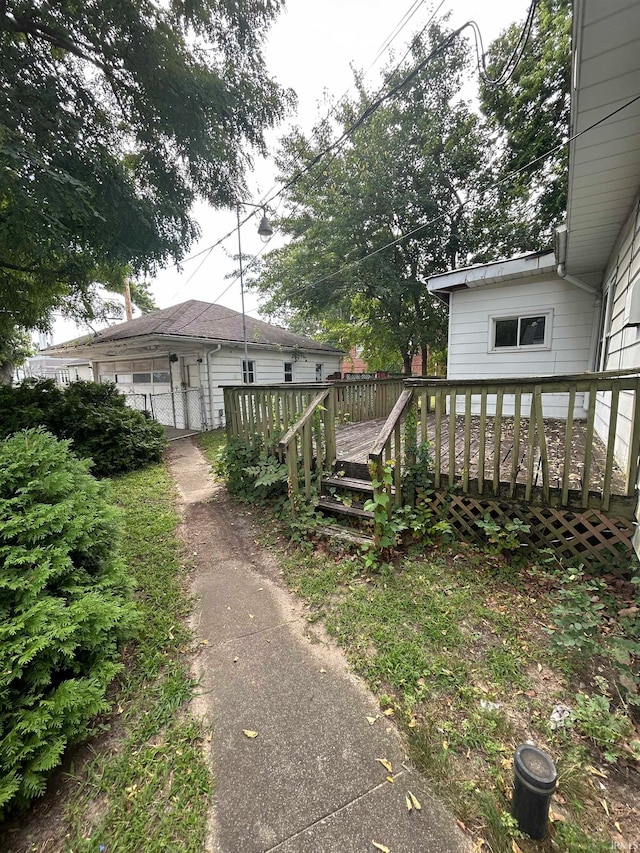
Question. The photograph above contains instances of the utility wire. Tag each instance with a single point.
(381, 98)
(459, 207)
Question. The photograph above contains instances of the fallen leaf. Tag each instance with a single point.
(515, 847)
(251, 616)
(388, 713)
(386, 764)
(205, 642)
(323, 670)
(605, 807)
(236, 659)
(555, 817)
(445, 745)
(371, 720)
(596, 772)
(414, 801)
(618, 827)
(120, 709)
(539, 667)
(390, 779)
(381, 847)
(409, 805)
(249, 733)
(412, 724)
(462, 825)
(628, 611)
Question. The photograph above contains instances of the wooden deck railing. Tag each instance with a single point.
(269, 410)
(266, 410)
(367, 399)
(526, 439)
(310, 444)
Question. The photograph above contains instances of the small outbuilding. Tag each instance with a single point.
(174, 361)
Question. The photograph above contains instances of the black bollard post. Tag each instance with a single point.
(534, 783)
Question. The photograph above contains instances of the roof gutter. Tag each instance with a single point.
(560, 249)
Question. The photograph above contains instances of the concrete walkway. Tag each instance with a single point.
(309, 782)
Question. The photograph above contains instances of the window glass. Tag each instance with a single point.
(288, 371)
(318, 373)
(251, 376)
(107, 377)
(507, 332)
(161, 376)
(531, 331)
(142, 378)
(123, 378)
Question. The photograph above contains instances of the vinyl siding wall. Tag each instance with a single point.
(621, 343)
(217, 367)
(571, 341)
(226, 369)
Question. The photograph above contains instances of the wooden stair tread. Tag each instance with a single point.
(337, 506)
(335, 531)
(352, 483)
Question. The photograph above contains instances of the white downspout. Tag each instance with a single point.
(209, 383)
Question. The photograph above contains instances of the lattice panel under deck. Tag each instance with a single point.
(589, 537)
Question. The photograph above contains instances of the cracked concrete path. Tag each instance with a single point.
(310, 780)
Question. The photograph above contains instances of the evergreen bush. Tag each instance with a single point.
(64, 607)
(94, 416)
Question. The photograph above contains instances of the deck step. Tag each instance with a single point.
(332, 505)
(336, 531)
(352, 483)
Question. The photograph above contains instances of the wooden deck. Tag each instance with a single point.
(354, 441)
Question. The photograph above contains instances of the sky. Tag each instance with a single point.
(311, 48)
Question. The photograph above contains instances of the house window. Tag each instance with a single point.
(161, 376)
(123, 378)
(248, 376)
(63, 377)
(514, 333)
(142, 378)
(318, 373)
(107, 377)
(288, 371)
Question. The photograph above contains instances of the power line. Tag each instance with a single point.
(459, 207)
(380, 99)
(270, 199)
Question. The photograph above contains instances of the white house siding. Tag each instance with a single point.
(572, 330)
(226, 369)
(620, 348)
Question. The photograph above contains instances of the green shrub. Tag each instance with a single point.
(250, 473)
(64, 607)
(94, 417)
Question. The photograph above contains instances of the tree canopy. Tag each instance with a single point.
(420, 184)
(529, 116)
(410, 169)
(114, 116)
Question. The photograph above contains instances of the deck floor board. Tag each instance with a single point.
(354, 442)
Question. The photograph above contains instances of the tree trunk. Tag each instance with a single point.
(6, 372)
(406, 364)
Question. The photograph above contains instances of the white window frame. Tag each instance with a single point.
(547, 313)
(248, 374)
(290, 371)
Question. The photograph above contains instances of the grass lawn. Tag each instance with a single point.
(471, 655)
(148, 786)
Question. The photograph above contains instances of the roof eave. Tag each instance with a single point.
(493, 273)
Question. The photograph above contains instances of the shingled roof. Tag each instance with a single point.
(199, 320)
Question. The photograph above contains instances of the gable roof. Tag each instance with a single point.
(604, 164)
(196, 320)
(525, 266)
